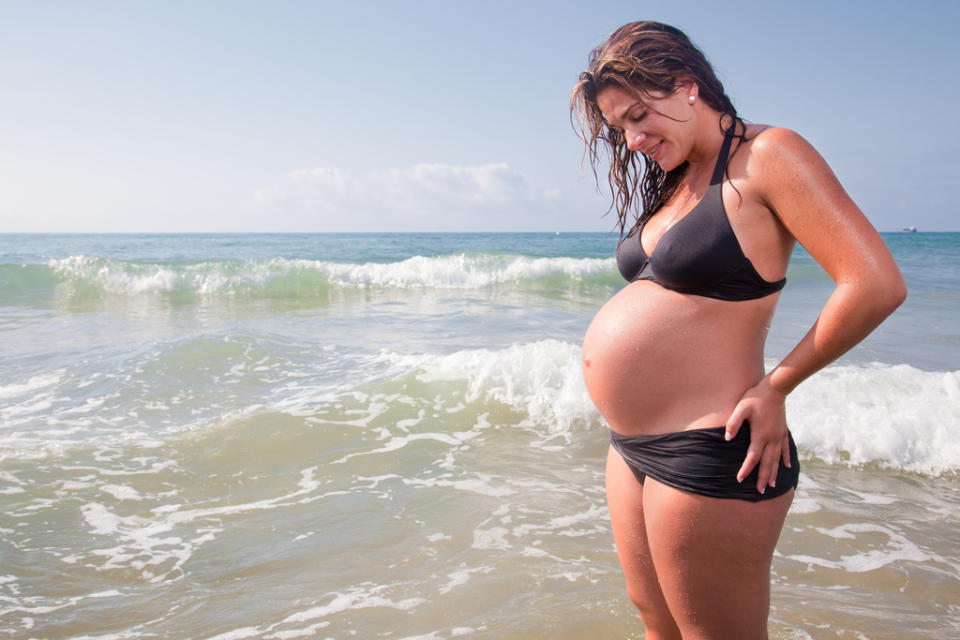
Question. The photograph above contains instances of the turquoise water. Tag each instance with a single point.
(387, 435)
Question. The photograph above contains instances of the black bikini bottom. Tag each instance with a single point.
(700, 461)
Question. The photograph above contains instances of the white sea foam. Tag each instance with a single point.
(541, 379)
(479, 483)
(456, 271)
(121, 492)
(43, 605)
(6, 476)
(159, 545)
(32, 385)
(464, 271)
(400, 442)
(805, 501)
(896, 415)
(492, 538)
(897, 548)
(358, 598)
(893, 415)
(460, 577)
(238, 634)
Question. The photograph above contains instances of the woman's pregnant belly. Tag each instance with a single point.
(657, 361)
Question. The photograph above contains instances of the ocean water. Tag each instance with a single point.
(387, 436)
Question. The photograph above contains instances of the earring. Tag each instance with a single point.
(693, 99)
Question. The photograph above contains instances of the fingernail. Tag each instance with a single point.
(727, 437)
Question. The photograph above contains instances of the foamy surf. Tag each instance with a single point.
(388, 436)
(278, 276)
(895, 416)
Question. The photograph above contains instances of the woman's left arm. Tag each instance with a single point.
(797, 185)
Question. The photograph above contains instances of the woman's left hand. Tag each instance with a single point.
(765, 409)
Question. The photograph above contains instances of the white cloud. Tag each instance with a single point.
(424, 197)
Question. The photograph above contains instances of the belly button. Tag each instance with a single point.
(586, 362)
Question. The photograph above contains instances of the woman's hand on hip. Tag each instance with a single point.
(765, 409)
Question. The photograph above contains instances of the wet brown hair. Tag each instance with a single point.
(650, 59)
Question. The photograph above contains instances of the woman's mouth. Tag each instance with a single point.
(654, 152)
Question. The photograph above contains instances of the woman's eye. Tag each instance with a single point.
(639, 117)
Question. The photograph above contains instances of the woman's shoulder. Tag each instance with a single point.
(777, 161)
(770, 143)
(774, 153)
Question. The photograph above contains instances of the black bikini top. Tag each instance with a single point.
(699, 255)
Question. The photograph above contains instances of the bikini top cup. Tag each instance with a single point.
(699, 255)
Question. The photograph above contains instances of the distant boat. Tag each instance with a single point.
(909, 229)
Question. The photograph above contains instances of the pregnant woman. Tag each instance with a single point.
(702, 468)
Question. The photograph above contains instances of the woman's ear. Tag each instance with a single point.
(689, 87)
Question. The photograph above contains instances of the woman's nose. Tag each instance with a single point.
(634, 139)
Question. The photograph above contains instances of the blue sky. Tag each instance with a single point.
(243, 116)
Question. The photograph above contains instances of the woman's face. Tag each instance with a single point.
(658, 127)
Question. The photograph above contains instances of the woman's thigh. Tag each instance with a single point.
(712, 558)
(625, 500)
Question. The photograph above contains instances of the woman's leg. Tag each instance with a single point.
(625, 499)
(712, 558)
